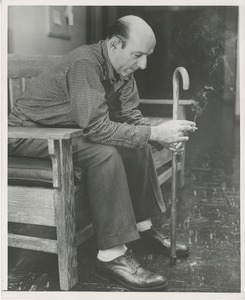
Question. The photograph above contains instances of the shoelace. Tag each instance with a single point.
(132, 260)
(161, 236)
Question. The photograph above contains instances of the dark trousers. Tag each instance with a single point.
(123, 188)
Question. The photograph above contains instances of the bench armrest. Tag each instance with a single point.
(167, 101)
(43, 133)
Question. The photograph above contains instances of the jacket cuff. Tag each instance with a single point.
(142, 135)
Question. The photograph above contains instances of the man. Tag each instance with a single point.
(93, 87)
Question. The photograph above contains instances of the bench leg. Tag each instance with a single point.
(65, 217)
(66, 244)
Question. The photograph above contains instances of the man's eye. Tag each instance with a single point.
(137, 55)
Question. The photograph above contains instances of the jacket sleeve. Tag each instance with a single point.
(90, 110)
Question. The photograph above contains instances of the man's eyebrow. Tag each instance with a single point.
(140, 52)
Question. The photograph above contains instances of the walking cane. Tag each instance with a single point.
(175, 156)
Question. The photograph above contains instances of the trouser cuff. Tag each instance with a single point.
(120, 238)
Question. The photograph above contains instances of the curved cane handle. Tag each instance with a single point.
(185, 80)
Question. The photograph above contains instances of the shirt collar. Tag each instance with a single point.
(109, 73)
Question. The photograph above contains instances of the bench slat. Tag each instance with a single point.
(47, 133)
(166, 101)
(167, 174)
(31, 205)
(32, 243)
(29, 66)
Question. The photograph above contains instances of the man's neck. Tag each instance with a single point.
(109, 52)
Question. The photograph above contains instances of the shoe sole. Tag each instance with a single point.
(160, 250)
(108, 277)
(185, 254)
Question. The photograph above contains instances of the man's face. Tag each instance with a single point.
(133, 56)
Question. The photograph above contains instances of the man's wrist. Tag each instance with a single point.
(153, 133)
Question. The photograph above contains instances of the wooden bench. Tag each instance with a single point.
(52, 201)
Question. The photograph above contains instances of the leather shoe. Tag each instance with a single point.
(127, 271)
(162, 243)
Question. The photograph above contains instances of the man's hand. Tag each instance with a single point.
(172, 134)
(175, 147)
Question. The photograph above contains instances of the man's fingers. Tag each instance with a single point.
(192, 129)
(178, 140)
(189, 128)
(183, 139)
(186, 122)
(181, 150)
(179, 145)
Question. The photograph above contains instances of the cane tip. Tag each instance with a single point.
(173, 260)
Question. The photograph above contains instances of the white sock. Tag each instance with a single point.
(112, 253)
(144, 225)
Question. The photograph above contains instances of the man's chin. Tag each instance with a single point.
(127, 72)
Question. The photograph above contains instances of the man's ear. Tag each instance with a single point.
(115, 43)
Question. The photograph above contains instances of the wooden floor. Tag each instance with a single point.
(208, 220)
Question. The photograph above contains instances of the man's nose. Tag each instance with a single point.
(142, 62)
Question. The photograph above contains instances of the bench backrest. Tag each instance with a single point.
(21, 71)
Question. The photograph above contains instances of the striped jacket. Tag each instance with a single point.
(83, 90)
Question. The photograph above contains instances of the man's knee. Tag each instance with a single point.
(108, 153)
(88, 154)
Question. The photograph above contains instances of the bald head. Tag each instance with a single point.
(138, 27)
(129, 27)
